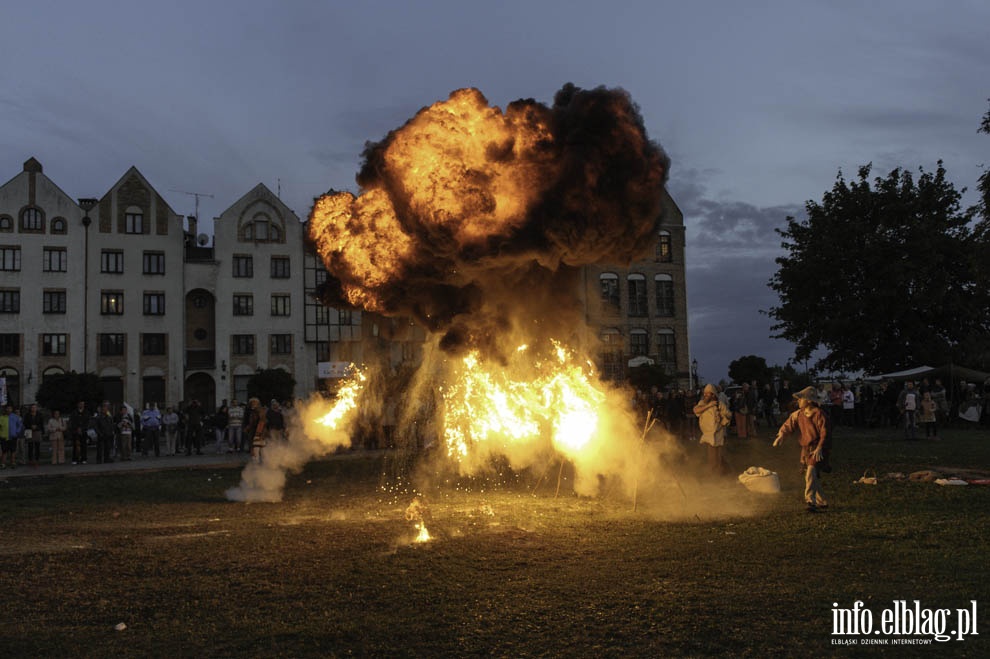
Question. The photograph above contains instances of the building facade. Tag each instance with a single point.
(124, 287)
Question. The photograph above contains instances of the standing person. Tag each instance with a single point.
(741, 411)
(194, 428)
(16, 432)
(785, 398)
(171, 424)
(7, 447)
(33, 429)
(126, 428)
(927, 411)
(941, 402)
(713, 419)
(767, 401)
(151, 425)
(811, 423)
(255, 428)
(78, 425)
(104, 427)
(848, 406)
(907, 403)
(220, 420)
(56, 428)
(235, 424)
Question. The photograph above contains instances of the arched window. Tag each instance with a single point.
(59, 225)
(261, 228)
(665, 295)
(32, 219)
(638, 305)
(6, 223)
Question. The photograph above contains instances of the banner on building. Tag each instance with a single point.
(333, 369)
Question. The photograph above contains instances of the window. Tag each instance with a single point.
(112, 303)
(243, 266)
(666, 347)
(154, 304)
(154, 263)
(10, 345)
(610, 289)
(281, 344)
(664, 252)
(637, 295)
(345, 317)
(53, 301)
(321, 315)
(281, 305)
(59, 225)
(111, 345)
(639, 343)
(611, 354)
(10, 301)
(280, 267)
(32, 220)
(242, 344)
(112, 261)
(10, 258)
(321, 276)
(54, 259)
(665, 295)
(241, 386)
(243, 305)
(133, 221)
(6, 223)
(153, 344)
(261, 229)
(53, 344)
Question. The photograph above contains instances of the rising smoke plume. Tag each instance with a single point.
(473, 221)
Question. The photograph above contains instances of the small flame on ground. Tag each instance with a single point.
(417, 512)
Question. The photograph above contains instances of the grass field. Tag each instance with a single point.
(700, 567)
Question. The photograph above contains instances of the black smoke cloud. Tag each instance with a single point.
(593, 181)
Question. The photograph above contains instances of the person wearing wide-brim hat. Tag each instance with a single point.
(811, 423)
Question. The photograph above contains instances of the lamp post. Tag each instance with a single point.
(694, 374)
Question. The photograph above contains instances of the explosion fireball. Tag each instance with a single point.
(475, 222)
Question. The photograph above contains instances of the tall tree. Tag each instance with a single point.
(984, 183)
(749, 368)
(881, 277)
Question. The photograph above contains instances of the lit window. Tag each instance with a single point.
(664, 251)
(112, 303)
(54, 259)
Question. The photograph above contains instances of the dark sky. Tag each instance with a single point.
(759, 105)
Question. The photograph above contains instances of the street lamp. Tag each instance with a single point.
(694, 373)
